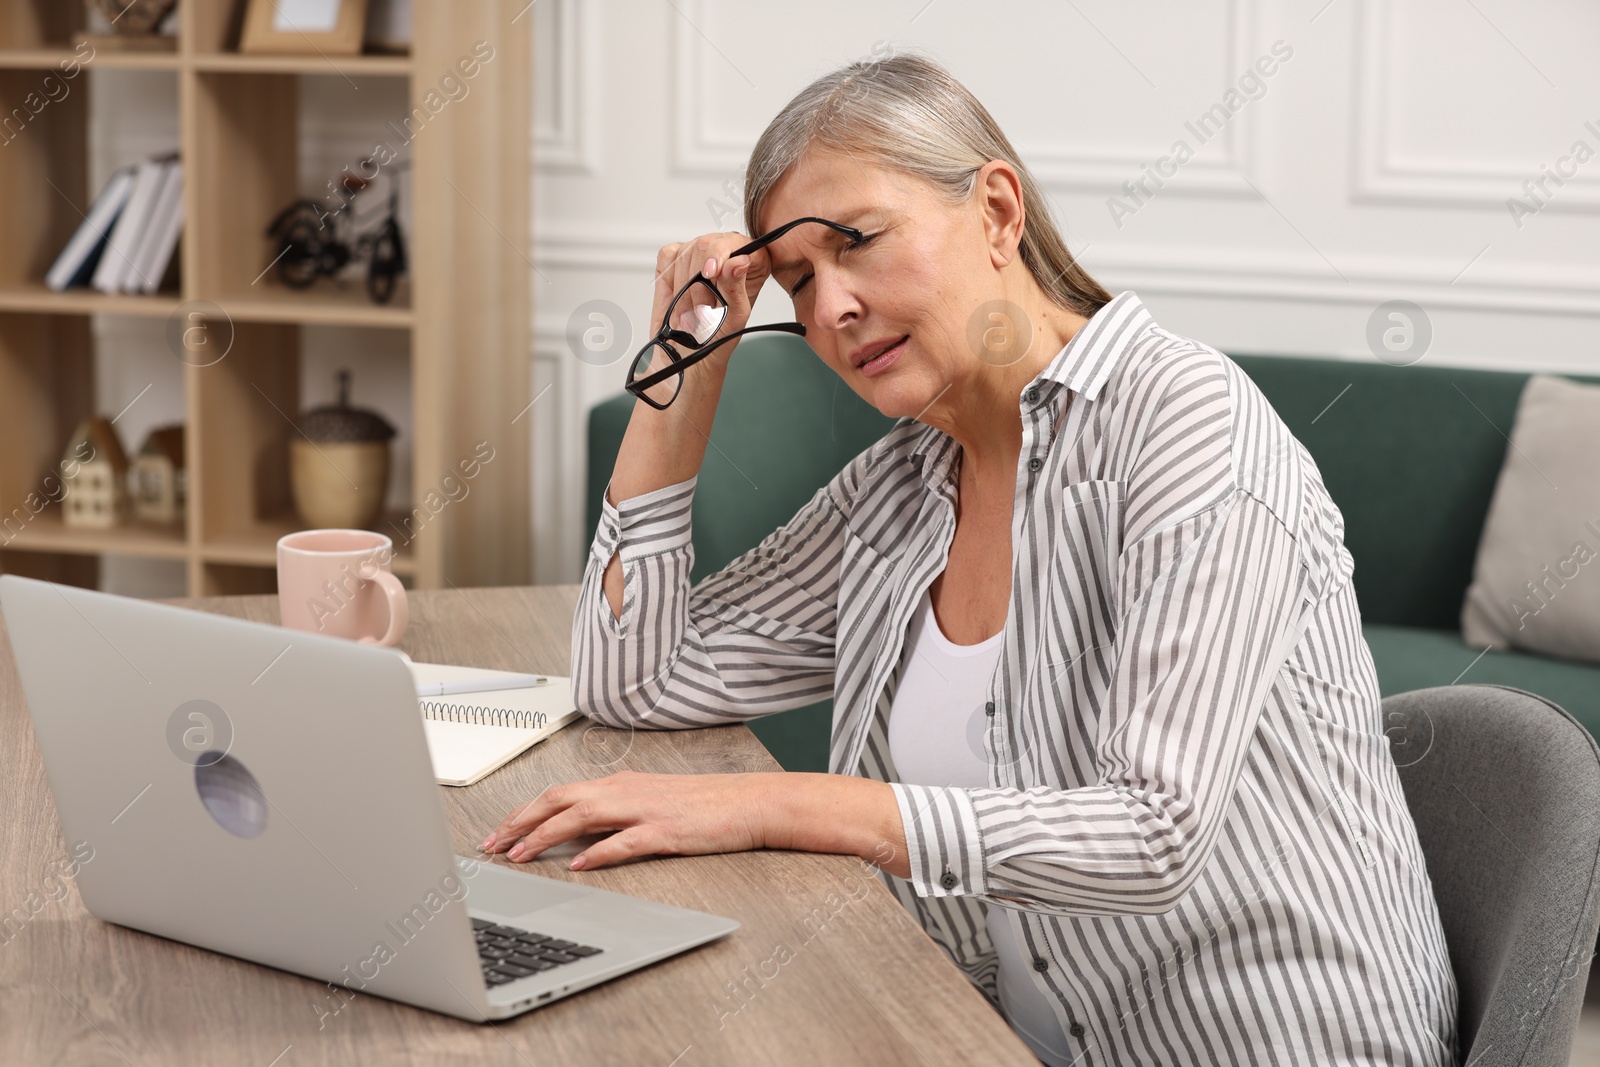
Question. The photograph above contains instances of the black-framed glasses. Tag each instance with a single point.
(656, 373)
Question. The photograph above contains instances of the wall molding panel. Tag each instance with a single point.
(1380, 179)
(696, 152)
(569, 141)
(1203, 271)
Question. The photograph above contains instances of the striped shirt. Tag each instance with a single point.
(1191, 804)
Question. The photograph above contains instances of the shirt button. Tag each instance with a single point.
(1040, 963)
(1076, 1029)
(1035, 463)
(1032, 395)
(948, 881)
(988, 709)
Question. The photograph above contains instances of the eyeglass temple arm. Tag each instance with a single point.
(657, 377)
(772, 235)
(666, 332)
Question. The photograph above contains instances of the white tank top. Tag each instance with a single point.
(937, 731)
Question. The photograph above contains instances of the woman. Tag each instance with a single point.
(1104, 717)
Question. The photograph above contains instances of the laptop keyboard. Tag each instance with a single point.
(508, 953)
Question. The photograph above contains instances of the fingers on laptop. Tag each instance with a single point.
(650, 814)
(556, 815)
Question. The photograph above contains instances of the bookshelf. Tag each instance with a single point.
(464, 307)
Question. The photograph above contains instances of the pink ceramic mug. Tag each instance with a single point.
(339, 582)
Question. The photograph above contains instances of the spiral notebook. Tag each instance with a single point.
(473, 734)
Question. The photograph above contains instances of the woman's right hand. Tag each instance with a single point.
(662, 448)
(738, 279)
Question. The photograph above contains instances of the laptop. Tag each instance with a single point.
(267, 793)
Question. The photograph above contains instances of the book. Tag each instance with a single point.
(78, 260)
(475, 734)
(160, 238)
(116, 263)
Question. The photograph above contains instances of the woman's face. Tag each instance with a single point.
(915, 281)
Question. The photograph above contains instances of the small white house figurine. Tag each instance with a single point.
(158, 482)
(94, 470)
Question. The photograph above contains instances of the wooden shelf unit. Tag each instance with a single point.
(47, 59)
(464, 307)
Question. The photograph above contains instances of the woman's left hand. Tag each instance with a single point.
(678, 814)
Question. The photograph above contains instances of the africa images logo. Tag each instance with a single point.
(1250, 87)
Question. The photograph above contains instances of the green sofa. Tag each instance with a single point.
(1410, 455)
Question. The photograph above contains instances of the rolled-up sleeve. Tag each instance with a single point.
(1209, 598)
(756, 637)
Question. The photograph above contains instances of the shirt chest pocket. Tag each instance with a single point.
(1079, 579)
(864, 573)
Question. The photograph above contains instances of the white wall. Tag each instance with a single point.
(1376, 165)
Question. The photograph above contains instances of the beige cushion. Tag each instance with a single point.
(1536, 583)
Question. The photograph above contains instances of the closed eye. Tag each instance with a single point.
(851, 244)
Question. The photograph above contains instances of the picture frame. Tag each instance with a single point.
(325, 27)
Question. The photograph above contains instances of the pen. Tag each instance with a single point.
(480, 685)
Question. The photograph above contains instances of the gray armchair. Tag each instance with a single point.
(1504, 787)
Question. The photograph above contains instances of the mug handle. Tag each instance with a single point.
(399, 613)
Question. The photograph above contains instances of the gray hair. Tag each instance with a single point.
(907, 112)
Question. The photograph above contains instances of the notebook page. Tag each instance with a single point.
(464, 752)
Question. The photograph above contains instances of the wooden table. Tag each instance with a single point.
(827, 969)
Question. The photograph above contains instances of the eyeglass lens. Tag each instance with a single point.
(656, 357)
(700, 312)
